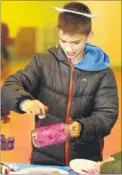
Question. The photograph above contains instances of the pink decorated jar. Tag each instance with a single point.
(50, 135)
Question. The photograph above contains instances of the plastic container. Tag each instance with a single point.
(50, 135)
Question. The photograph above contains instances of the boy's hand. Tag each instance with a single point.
(34, 107)
(75, 129)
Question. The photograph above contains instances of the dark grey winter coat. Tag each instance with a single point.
(87, 97)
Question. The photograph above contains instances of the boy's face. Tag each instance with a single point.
(73, 46)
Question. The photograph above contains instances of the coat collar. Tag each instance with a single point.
(59, 53)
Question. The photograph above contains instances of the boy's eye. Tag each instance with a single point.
(76, 42)
(63, 41)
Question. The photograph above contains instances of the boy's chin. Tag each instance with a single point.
(71, 58)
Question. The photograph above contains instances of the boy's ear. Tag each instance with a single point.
(91, 34)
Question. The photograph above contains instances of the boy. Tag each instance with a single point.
(75, 82)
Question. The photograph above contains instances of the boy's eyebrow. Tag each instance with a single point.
(71, 41)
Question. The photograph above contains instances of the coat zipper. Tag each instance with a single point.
(68, 113)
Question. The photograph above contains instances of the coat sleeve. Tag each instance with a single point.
(22, 85)
(105, 110)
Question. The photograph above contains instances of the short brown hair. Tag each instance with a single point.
(74, 23)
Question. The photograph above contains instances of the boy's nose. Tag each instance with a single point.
(68, 49)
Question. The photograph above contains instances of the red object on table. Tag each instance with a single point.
(6, 171)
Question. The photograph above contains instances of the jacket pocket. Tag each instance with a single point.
(86, 150)
(43, 159)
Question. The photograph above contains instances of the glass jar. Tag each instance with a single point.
(50, 135)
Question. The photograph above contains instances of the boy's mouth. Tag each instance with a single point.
(71, 54)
